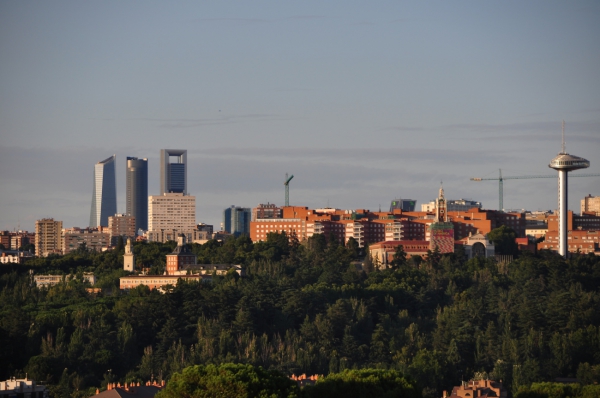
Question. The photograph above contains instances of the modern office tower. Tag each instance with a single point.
(564, 163)
(48, 237)
(173, 171)
(403, 204)
(137, 191)
(169, 215)
(236, 220)
(104, 197)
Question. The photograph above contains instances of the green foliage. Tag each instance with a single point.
(306, 308)
(503, 239)
(364, 383)
(229, 380)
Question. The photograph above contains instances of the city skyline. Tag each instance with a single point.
(362, 104)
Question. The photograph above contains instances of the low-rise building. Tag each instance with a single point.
(477, 389)
(121, 225)
(97, 239)
(22, 388)
(453, 205)
(383, 252)
(51, 280)
(158, 281)
(14, 256)
(116, 390)
(590, 204)
(180, 257)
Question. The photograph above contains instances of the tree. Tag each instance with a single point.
(399, 257)
(229, 380)
(503, 238)
(364, 383)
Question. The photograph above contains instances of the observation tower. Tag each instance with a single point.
(564, 163)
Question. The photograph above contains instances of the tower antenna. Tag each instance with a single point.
(563, 138)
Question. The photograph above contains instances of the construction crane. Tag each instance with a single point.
(287, 188)
(501, 179)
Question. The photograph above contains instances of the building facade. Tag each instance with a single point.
(104, 196)
(236, 220)
(136, 200)
(403, 204)
(583, 233)
(266, 211)
(96, 239)
(181, 257)
(48, 237)
(590, 204)
(453, 205)
(23, 388)
(441, 231)
(171, 211)
(121, 225)
(173, 171)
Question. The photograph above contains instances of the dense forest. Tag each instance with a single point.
(312, 307)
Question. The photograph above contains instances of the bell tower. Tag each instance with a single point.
(441, 209)
(129, 257)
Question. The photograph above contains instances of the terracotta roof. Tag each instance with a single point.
(118, 392)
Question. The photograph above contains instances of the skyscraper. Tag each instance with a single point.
(104, 197)
(236, 220)
(137, 191)
(173, 171)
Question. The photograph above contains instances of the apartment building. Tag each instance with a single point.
(48, 237)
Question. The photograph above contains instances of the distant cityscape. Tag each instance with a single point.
(441, 223)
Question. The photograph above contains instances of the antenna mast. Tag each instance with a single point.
(563, 137)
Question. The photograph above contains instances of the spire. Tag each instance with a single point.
(563, 138)
(441, 194)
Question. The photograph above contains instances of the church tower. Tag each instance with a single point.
(441, 231)
(441, 209)
(129, 257)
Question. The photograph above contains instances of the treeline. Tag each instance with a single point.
(306, 308)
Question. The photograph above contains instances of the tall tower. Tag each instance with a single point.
(564, 163)
(441, 231)
(173, 171)
(137, 191)
(129, 257)
(104, 197)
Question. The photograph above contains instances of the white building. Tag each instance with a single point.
(170, 214)
(22, 388)
(51, 280)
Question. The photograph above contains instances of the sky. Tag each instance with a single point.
(362, 102)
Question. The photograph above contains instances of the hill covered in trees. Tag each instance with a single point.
(306, 308)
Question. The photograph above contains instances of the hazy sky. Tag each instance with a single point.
(362, 101)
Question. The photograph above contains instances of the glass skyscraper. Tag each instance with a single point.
(173, 171)
(137, 191)
(236, 220)
(104, 197)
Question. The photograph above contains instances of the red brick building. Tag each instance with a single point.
(180, 257)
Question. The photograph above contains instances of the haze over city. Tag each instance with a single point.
(363, 103)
